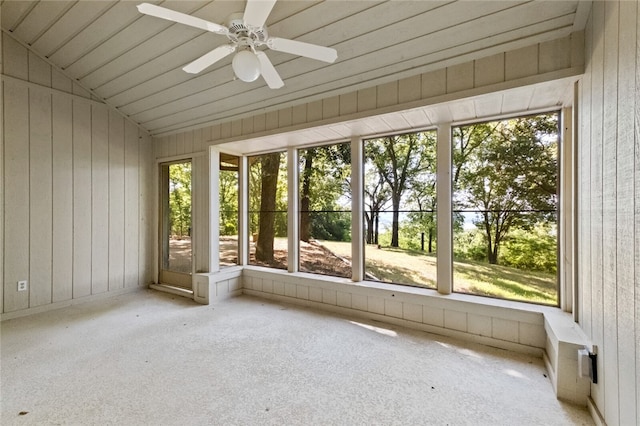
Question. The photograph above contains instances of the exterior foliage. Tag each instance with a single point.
(505, 195)
(180, 199)
(506, 176)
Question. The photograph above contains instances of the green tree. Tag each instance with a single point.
(377, 195)
(398, 160)
(180, 198)
(512, 173)
(325, 176)
(228, 198)
(422, 194)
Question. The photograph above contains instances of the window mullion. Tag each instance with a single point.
(214, 209)
(444, 213)
(243, 211)
(293, 225)
(357, 209)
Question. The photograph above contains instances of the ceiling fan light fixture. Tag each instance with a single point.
(246, 66)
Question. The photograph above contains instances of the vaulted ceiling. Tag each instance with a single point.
(134, 62)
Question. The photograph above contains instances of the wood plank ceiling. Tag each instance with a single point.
(134, 62)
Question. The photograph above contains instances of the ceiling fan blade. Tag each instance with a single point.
(313, 51)
(182, 18)
(209, 59)
(268, 72)
(257, 11)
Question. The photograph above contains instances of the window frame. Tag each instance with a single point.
(567, 220)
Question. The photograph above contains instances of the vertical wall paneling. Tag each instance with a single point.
(70, 188)
(609, 200)
(627, 373)
(636, 179)
(188, 141)
(99, 199)
(584, 189)
(131, 206)
(609, 374)
(197, 140)
(116, 201)
(39, 71)
(16, 195)
(81, 199)
(180, 144)
(172, 144)
(597, 77)
(60, 82)
(15, 59)
(146, 223)
(62, 140)
(40, 198)
(1, 183)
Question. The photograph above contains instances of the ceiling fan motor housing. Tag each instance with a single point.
(240, 33)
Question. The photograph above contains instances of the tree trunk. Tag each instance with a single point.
(493, 257)
(395, 226)
(266, 232)
(430, 240)
(492, 253)
(375, 232)
(305, 220)
(369, 219)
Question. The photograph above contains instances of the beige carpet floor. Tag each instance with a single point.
(155, 359)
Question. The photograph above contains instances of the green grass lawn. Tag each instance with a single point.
(418, 268)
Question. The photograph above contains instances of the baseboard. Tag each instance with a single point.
(66, 303)
(595, 413)
(178, 291)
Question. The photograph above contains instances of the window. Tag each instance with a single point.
(400, 209)
(498, 212)
(325, 210)
(268, 210)
(505, 208)
(228, 210)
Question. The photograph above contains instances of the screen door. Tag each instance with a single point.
(176, 260)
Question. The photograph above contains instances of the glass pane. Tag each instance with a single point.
(268, 210)
(505, 180)
(228, 210)
(413, 262)
(177, 217)
(400, 205)
(325, 210)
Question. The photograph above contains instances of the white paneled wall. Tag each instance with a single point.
(76, 190)
(609, 206)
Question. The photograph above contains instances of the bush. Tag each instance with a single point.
(534, 250)
(470, 245)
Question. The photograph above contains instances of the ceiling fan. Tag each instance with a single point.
(246, 33)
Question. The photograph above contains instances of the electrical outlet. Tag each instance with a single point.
(22, 286)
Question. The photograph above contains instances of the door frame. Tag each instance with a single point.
(162, 276)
